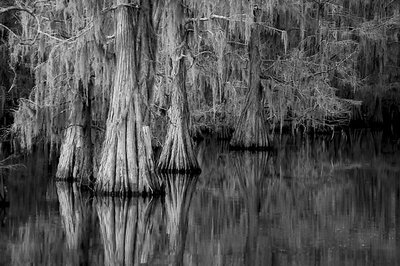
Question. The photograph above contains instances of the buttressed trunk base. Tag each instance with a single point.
(126, 165)
(75, 161)
(251, 131)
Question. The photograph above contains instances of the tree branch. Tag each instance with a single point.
(16, 9)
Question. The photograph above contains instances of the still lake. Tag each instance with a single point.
(325, 200)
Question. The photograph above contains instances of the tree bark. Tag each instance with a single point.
(251, 131)
(177, 154)
(76, 154)
(126, 165)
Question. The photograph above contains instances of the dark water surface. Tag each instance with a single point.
(314, 201)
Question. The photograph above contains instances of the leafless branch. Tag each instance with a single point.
(17, 9)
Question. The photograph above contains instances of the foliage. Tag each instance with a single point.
(318, 59)
(65, 49)
(302, 92)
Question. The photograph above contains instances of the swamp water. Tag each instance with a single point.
(312, 201)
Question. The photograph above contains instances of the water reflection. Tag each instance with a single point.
(313, 201)
(179, 192)
(309, 203)
(122, 222)
(250, 170)
(76, 211)
(37, 243)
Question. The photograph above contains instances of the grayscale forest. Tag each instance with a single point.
(258, 103)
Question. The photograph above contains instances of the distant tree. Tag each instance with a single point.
(252, 129)
(177, 154)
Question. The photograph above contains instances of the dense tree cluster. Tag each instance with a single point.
(115, 78)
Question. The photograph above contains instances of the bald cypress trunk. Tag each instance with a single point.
(177, 154)
(75, 161)
(251, 130)
(126, 165)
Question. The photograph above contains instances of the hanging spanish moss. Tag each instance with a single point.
(63, 57)
(106, 72)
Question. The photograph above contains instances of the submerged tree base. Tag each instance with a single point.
(75, 162)
(224, 132)
(193, 171)
(90, 189)
(131, 194)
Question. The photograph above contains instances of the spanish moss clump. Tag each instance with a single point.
(64, 55)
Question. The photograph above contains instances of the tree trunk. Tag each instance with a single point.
(76, 155)
(177, 154)
(148, 24)
(251, 131)
(126, 165)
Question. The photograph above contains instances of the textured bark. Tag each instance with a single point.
(76, 155)
(177, 154)
(179, 192)
(148, 24)
(251, 131)
(124, 168)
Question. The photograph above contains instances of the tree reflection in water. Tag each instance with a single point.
(130, 229)
(250, 170)
(313, 201)
(77, 218)
(179, 192)
(138, 231)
